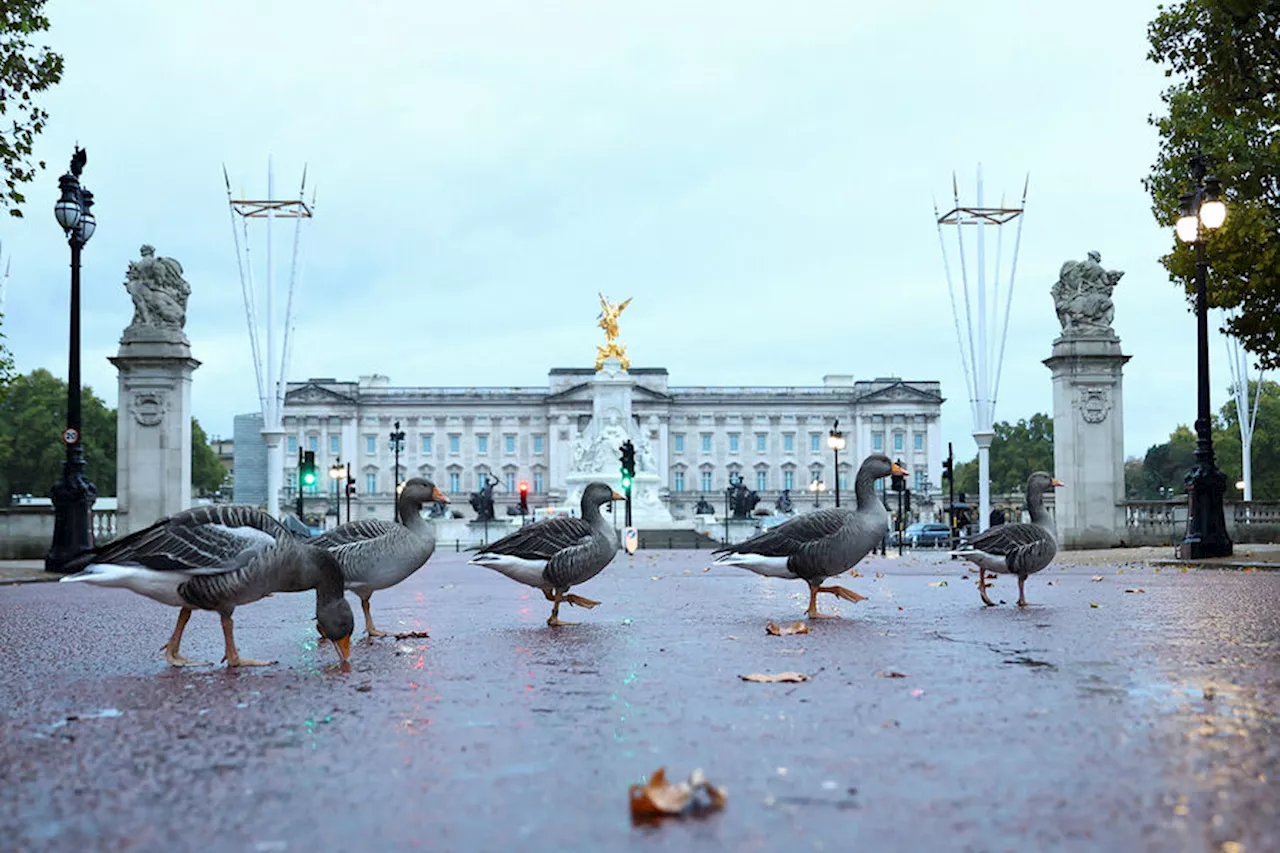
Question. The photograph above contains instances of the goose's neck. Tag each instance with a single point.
(864, 487)
(1035, 508)
(326, 576)
(412, 520)
(591, 515)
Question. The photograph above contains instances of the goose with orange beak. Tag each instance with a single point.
(558, 553)
(823, 543)
(1022, 548)
(378, 554)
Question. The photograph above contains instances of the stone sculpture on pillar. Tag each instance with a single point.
(153, 435)
(1088, 412)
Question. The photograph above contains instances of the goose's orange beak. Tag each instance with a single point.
(1056, 482)
(439, 496)
(617, 497)
(344, 647)
(897, 470)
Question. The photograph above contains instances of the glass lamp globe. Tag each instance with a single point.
(1213, 213)
(1188, 228)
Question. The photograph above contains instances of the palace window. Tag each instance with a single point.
(454, 443)
(788, 442)
(539, 483)
(371, 444)
(917, 441)
(510, 481)
(815, 442)
(733, 442)
(334, 445)
(788, 479)
(426, 444)
(679, 438)
(292, 445)
(706, 481)
(677, 480)
(538, 442)
(706, 442)
(370, 484)
(455, 481)
(897, 441)
(762, 442)
(877, 441)
(313, 443)
(482, 444)
(508, 444)
(762, 480)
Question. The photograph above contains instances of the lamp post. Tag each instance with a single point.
(835, 440)
(338, 474)
(397, 442)
(817, 487)
(73, 495)
(1200, 212)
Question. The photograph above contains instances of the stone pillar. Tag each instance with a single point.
(1088, 409)
(153, 413)
(153, 429)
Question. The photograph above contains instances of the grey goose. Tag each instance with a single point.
(1021, 548)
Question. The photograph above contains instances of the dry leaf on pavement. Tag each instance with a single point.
(1094, 604)
(660, 798)
(891, 673)
(775, 678)
(1096, 578)
(1135, 590)
(776, 630)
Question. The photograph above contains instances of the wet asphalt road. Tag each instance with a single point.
(1148, 722)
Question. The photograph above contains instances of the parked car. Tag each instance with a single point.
(930, 533)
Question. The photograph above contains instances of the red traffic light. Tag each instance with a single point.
(524, 487)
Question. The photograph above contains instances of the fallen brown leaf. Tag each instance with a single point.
(891, 673)
(659, 798)
(774, 678)
(776, 630)
(1135, 590)
(879, 574)
(1094, 604)
(854, 573)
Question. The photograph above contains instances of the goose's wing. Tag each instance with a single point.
(353, 531)
(206, 540)
(543, 540)
(794, 536)
(1021, 545)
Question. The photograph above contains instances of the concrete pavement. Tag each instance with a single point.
(1097, 719)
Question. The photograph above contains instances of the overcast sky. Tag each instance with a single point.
(759, 176)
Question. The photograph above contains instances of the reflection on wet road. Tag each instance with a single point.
(1094, 719)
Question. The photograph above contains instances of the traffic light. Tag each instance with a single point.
(947, 470)
(524, 498)
(351, 487)
(628, 451)
(899, 480)
(307, 470)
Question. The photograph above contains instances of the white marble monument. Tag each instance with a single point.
(153, 427)
(1088, 408)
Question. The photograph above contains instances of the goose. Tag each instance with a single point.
(218, 558)
(1016, 549)
(823, 543)
(376, 554)
(558, 553)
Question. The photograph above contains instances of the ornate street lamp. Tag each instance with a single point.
(835, 440)
(1201, 212)
(73, 495)
(817, 487)
(397, 443)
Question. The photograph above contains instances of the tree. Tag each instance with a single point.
(1165, 467)
(1016, 451)
(1266, 444)
(207, 470)
(6, 360)
(33, 413)
(25, 70)
(1226, 106)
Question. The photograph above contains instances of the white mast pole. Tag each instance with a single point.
(982, 434)
(272, 431)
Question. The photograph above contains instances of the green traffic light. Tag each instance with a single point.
(626, 482)
(309, 479)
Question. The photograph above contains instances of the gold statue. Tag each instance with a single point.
(609, 322)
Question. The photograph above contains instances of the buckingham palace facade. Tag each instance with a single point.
(775, 438)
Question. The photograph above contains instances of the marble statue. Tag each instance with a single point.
(159, 294)
(704, 508)
(608, 321)
(1082, 297)
(784, 504)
